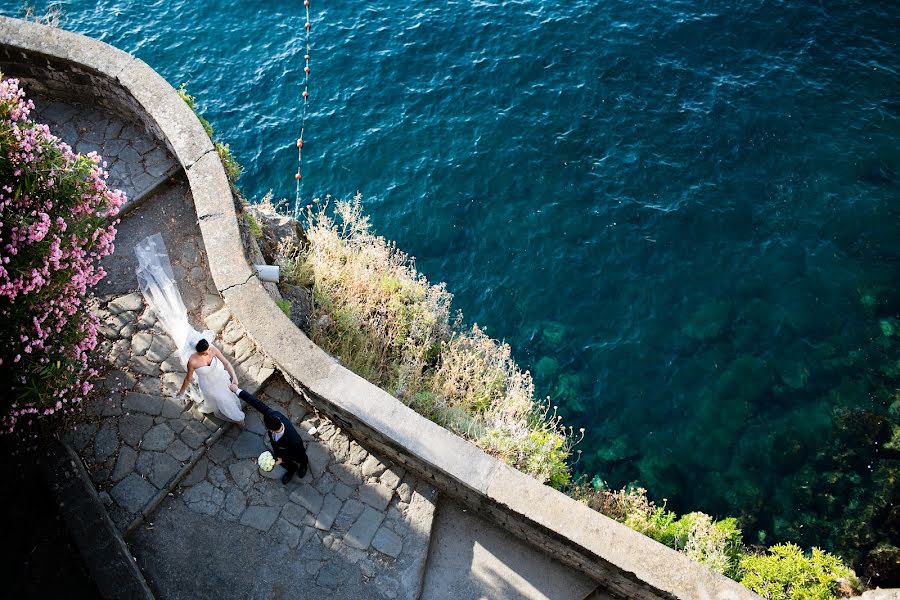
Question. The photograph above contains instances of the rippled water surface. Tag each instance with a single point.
(682, 215)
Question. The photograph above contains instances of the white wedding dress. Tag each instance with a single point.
(157, 283)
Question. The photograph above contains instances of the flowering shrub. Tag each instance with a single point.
(54, 229)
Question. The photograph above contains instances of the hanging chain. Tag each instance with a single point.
(299, 175)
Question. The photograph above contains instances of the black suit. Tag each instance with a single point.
(289, 448)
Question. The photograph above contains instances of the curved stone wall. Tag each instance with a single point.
(58, 63)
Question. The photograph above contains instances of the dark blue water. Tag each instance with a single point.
(682, 215)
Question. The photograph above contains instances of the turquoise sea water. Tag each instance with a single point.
(682, 215)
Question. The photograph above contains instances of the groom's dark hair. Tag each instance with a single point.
(272, 422)
(202, 345)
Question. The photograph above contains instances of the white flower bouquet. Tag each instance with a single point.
(266, 461)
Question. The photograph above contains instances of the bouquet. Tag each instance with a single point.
(266, 461)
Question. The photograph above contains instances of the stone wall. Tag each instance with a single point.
(625, 562)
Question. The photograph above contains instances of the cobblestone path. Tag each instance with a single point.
(135, 161)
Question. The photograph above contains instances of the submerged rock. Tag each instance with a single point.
(552, 334)
(794, 375)
(868, 301)
(709, 321)
(546, 368)
(568, 392)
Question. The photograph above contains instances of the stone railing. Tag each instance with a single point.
(58, 63)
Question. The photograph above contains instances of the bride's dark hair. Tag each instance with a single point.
(202, 345)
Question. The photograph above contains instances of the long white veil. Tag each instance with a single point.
(157, 283)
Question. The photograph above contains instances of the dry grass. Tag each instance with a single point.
(386, 322)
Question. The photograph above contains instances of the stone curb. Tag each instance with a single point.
(154, 502)
(623, 561)
(112, 567)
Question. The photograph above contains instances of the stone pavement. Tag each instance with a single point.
(495, 564)
(353, 527)
(135, 161)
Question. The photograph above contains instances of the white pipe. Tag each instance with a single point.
(268, 272)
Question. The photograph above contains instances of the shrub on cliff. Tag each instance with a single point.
(387, 323)
(786, 573)
(54, 229)
(716, 544)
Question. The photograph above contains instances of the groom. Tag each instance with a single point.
(287, 446)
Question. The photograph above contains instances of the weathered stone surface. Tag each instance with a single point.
(132, 493)
(194, 434)
(143, 403)
(329, 576)
(294, 513)
(325, 484)
(170, 383)
(216, 475)
(217, 320)
(106, 442)
(233, 332)
(404, 491)
(242, 472)
(307, 497)
(144, 464)
(326, 516)
(372, 467)
(357, 453)
(247, 445)
(259, 517)
(130, 302)
(144, 366)
(362, 532)
(159, 350)
(346, 473)
(197, 474)
(164, 469)
(349, 513)
(171, 409)
(388, 542)
(172, 364)
(124, 464)
(219, 453)
(141, 342)
(148, 385)
(296, 410)
(254, 423)
(391, 477)
(377, 496)
(179, 451)
(204, 498)
(290, 532)
(118, 380)
(319, 456)
(342, 491)
(158, 438)
(275, 474)
(81, 435)
(133, 427)
(235, 502)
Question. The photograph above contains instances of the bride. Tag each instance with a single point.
(198, 355)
